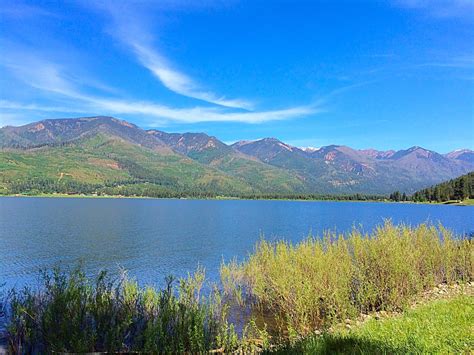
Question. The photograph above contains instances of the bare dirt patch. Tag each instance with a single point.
(104, 163)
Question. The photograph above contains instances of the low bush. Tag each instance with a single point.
(71, 313)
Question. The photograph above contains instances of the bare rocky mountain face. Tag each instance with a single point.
(461, 155)
(57, 131)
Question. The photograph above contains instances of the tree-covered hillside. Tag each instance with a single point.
(457, 189)
(107, 165)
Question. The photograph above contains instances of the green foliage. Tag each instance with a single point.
(100, 165)
(71, 313)
(317, 283)
(457, 189)
(397, 196)
(50, 186)
(440, 327)
(118, 169)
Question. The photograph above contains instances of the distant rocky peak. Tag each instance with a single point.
(461, 155)
(458, 152)
(377, 154)
(413, 153)
(242, 143)
(422, 152)
(268, 142)
(309, 149)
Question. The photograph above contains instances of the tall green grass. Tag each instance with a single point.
(71, 313)
(319, 282)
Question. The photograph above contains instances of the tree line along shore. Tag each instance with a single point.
(456, 191)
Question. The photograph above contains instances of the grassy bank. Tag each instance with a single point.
(438, 327)
(281, 294)
(467, 202)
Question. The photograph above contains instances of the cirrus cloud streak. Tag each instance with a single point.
(46, 76)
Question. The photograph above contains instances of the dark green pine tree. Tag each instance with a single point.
(459, 190)
(437, 194)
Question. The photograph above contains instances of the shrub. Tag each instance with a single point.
(71, 313)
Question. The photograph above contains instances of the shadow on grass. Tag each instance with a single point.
(331, 344)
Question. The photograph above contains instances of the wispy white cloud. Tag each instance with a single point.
(50, 77)
(33, 68)
(201, 114)
(9, 118)
(41, 76)
(158, 114)
(13, 105)
(63, 88)
(131, 29)
(179, 82)
(441, 8)
(464, 62)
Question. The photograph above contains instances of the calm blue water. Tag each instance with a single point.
(155, 238)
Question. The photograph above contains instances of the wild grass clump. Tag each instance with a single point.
(318, 282)
(71, 313)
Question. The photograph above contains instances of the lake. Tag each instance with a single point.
(152, 238)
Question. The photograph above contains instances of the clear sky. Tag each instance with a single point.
(367, 74)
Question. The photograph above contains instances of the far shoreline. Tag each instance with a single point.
(468, 202)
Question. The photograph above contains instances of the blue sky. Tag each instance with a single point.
(367, 74)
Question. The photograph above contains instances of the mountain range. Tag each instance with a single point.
(112, 152)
